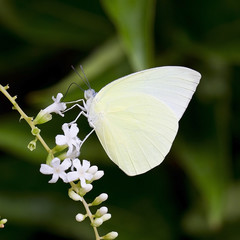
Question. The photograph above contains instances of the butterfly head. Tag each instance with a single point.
(89, 94)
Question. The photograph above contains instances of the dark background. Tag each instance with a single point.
(195, 193)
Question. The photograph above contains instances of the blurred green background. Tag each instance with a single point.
(195, 192)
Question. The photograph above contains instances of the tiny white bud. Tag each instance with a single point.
(97, 222)
(73, 195)
(101, 211)
(101, 198)
(106, 217)
(111, 235)
(97, 175)
(80, 217)
(86, 189)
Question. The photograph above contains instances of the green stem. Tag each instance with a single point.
(23, 115)
(29, 120)
(91, 218)
(89, 213)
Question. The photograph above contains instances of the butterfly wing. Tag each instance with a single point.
(136, 117)
(173, 86)
(136, 131)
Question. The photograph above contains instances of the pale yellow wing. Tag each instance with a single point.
(136, 130)
(172, 85)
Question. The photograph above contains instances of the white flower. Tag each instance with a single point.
(81, 172)
(57, 106)
(70, 138)
(57, 169)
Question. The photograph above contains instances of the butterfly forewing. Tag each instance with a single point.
(136, 117)
(172, 85)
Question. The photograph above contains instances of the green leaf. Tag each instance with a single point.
(134, 22)
(205, 168)
(54, 23)
(105, 57)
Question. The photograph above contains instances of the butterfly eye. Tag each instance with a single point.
(90, 93)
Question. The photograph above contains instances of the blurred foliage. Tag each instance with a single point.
(195, 192)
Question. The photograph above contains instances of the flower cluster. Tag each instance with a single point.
(82, 172)
(66, 165)
(63, 160)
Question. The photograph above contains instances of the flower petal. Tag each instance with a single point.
(54, 178)
(72, 176)
(73, 130)
(63, 176)
(55, 162)
(46, 169)
(60, 140)
(66, 164)
(85, 165)
(58, 98)
(65, 129)
(88, 176)
(76, 163)
(93, 169)
(83, 182)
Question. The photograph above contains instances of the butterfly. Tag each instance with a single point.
(136, 117)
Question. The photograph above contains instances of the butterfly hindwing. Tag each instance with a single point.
(136, 131)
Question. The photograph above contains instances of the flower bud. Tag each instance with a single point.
(80, 217)
(97, 222)
(2, 222)
(111, 235)
(86, 189)
(35, 131)
(101, 211)
(42, 117)
(101, 198)
(73, 195)
(106, 217)
(32, 145)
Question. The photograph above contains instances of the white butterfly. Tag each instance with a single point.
(136, 117)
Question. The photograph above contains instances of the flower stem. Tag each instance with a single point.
(89, 213)
(23, 115)
(91, 218)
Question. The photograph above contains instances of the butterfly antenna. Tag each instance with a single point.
(73, 83)
(86, 79)
(73, 68)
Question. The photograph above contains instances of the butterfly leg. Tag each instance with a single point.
(87, 137)
(83, 111)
